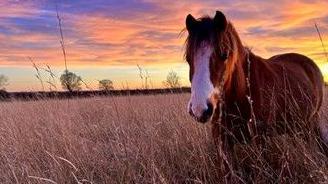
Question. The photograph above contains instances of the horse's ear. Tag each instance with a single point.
(220, 20)
(190, 23)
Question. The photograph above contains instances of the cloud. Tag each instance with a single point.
(18, 8)
(295, 32)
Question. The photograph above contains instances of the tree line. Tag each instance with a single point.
(72, 82)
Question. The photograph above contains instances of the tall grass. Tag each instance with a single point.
(134, 139)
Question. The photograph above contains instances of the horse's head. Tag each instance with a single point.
(209, 48)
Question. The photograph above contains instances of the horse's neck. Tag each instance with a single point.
(259, 69)
(246, 76)
(236, 86)
(261, 76)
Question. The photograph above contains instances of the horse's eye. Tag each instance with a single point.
(223, 56)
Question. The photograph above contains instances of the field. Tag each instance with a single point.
(134, 139)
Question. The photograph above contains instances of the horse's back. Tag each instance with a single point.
(294, 62)
(302, 74)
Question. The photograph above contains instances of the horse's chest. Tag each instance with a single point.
(236, 117)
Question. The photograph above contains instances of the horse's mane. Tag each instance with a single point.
(224, 41)
(235, 75)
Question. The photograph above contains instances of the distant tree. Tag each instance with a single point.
(70, 81)
(3, 82)
(106, 85)
(144, 76)
(172, 80)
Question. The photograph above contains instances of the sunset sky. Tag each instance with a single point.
(107, 39)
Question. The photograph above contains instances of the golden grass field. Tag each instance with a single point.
(134, 139)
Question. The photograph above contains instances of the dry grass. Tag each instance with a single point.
(133, 139)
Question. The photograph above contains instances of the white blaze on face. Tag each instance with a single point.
(201, 85)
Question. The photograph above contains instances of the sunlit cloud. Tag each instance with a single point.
(19, 8)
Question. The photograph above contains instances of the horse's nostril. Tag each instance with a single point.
(190, 112)
(209, 109)
(207, 113)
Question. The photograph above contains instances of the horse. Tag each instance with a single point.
(245, 96)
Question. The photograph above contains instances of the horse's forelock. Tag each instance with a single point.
(222, 41)
(196, 36)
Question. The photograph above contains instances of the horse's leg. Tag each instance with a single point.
(246, 169)
(216, 132)
(259, 143)
(226, 154)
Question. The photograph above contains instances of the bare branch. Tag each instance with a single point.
(320, 37)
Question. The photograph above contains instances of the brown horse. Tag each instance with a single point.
(244, 95)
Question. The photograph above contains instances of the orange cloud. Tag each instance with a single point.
(18, 8)
(297, 13)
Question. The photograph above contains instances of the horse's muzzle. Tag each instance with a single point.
(206, 114)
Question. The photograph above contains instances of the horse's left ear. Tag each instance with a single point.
(220, 20)
(191, 23)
